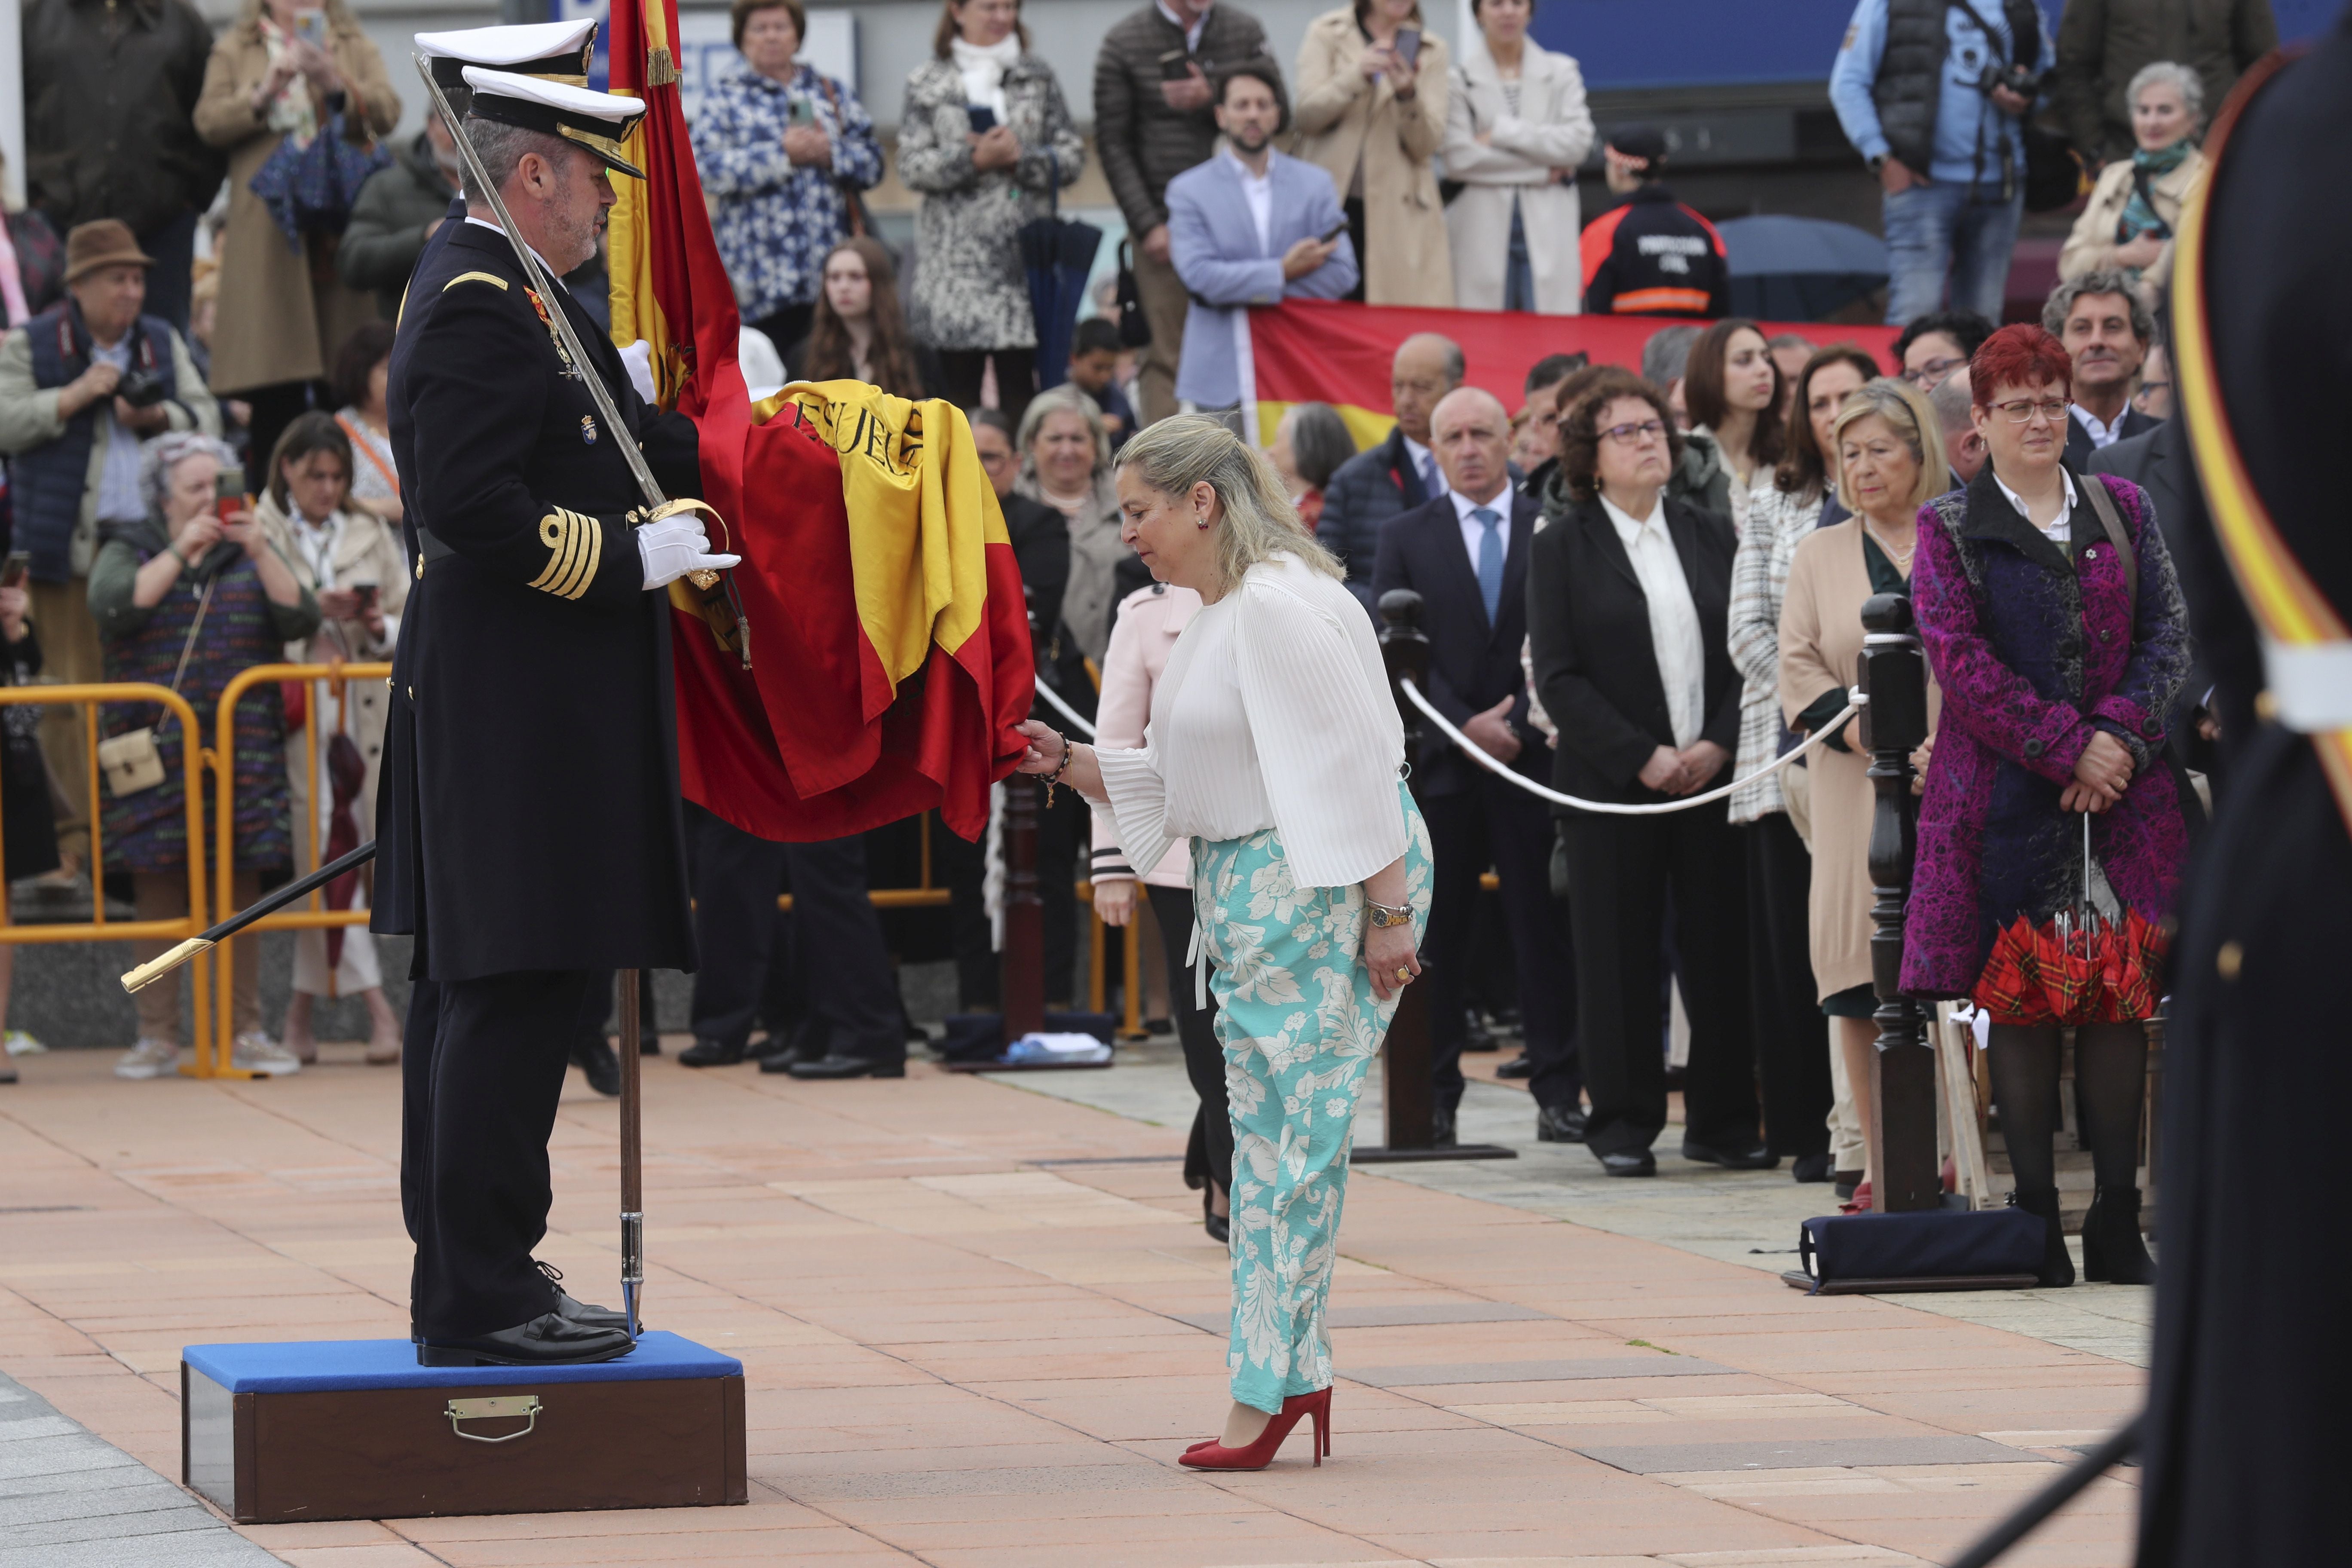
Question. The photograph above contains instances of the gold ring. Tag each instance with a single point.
(1403, 975)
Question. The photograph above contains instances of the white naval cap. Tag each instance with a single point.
(594, 120)
(557, 51)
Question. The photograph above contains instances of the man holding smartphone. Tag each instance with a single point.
(1153, 121)
(1251, 226)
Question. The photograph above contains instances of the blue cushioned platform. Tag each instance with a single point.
(310, 1366)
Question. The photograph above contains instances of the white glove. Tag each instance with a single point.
(639, 357)
(674, 545)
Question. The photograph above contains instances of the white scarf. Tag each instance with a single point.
(984, 71)
(292, 112)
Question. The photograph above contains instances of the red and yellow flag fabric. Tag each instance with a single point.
(889, 640)
(1322, 351)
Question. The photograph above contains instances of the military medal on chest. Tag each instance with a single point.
(562, 354)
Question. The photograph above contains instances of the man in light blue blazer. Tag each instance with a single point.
(1248, 228)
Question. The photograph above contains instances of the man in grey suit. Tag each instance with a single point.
(1250, 226)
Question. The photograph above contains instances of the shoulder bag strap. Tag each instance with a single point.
(361, 444)
(2104, 505)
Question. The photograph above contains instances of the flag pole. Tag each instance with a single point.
(632, 1205)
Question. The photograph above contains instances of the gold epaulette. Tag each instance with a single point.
(474, 277)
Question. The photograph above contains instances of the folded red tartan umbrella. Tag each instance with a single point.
(2010, 990)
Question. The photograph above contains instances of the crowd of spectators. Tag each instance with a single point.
(1638, 584)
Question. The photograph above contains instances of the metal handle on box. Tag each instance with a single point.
(498, 1407)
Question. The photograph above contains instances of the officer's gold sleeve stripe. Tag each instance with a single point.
(473, 278)
(574, 580)
(574, 545)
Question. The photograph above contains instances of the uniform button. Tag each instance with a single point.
(2105, 636)
(2092, 553)
(2227, 960)
(2034, 747)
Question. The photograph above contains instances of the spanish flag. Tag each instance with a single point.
(889, 655)
(1326, 350)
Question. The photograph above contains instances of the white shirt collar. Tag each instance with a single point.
(2061, 530)
(2101, 435)
(1629, 527)
(1464, 506)
(1193, 33)
(544, 266)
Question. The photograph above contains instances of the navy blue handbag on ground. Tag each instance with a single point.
(1927, 1250)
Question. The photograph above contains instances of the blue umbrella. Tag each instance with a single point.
(1800, 269)
(311, 188)
(1059, 255)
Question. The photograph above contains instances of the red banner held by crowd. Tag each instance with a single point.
(1319, 351)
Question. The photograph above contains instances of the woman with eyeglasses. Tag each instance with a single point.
(1628, 592)
(2056, 630)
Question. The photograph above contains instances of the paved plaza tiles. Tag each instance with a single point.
(979, 1319)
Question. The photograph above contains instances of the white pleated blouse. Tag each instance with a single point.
(1274, 712)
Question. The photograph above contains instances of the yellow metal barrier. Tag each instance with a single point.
(315, 913)
(209, 1050)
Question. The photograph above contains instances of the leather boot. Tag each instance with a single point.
(2112, 1248)
(2057, 1267)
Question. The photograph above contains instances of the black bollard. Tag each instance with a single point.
(1406, 1092)
(1902, 1078)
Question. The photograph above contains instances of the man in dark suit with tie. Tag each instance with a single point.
(1466, 553)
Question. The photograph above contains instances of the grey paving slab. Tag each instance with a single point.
(1750, 1218)
(1396, 1317)
(1806, 1454)
(1448, 1373)
(70, 1499)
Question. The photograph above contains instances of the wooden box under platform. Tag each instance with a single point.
(273, 1434)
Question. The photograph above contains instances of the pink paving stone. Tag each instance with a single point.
(940, 1374)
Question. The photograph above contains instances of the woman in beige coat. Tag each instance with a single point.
(1516, 128)
(1888, 447)
(2135, 207)
(283, 311)
(349, 560)
(1374, 121)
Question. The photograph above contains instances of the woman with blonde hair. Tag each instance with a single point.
(1274, 745)
(1887, 448)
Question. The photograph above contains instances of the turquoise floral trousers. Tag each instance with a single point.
(1300, 1026)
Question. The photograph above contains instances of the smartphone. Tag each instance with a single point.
(367, 593)
(1175, 65)
(311, 27)
(1408, 44)
(19, 567)
(803, 112)
(983, 119)
(229, 492)
(1337, 230)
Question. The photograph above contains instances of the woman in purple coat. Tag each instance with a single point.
(2058, 656)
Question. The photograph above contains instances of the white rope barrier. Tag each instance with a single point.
(1612, 808)
(1064, 710)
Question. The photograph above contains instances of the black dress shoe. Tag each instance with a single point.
(1441, 1128)
(1521, 1066)
(709, 1054)
(595, 1058)
(1478, 1037)
(1555, 1124)
(581, 1313)
(648, 1043)
(549, 1340)
(1811, 1168)
(834, 1065)
(805, 1042)
(1629, 1162)
(1759, 1158)
(1219, 1226)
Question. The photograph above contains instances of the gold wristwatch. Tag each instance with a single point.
(1388, 914)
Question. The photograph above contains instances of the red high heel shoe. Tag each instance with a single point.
(1216, 1455)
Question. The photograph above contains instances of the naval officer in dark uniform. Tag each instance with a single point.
(528, 816)
(2251, 1383)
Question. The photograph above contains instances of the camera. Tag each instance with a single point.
(2019, 80)
(140, 388)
